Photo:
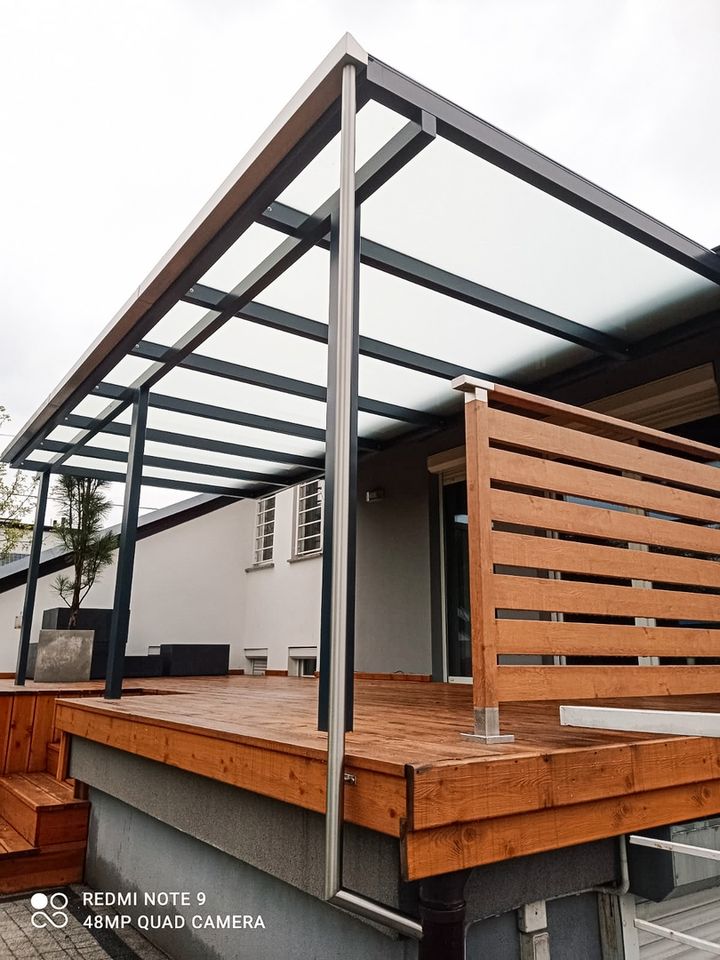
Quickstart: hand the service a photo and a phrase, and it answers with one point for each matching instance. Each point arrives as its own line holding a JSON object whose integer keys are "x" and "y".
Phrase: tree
{"x": 84, "y": 507}
{"x": 16, "y": 493}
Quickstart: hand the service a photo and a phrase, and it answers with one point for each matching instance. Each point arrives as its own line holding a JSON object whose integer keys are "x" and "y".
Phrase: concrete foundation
{"x": 155, "y": 828}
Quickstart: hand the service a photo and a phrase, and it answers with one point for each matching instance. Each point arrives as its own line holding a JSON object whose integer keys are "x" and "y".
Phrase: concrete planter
{"x": 64, "y": 656}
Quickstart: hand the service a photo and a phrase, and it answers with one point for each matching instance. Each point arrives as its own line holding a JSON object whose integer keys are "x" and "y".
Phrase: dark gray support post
{"x": 32, "y": 578}
{"x": 126, "y": 551}
{"x": 331, "y": 452}
{"x": 442, "y": 912}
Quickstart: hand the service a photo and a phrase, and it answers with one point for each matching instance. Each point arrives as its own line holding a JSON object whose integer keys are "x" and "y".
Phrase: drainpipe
{"x": 342, "y": 429}
{"x": 622, "y": 888}
{"x": 442, "y": 910}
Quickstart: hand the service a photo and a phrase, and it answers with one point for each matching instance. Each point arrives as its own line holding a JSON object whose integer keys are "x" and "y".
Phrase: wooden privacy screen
{"x": 590, "y": 539}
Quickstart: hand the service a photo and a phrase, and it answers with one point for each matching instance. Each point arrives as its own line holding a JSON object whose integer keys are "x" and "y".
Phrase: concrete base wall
{"x": 155, "y": 828}
{"x": 131, "y": 851}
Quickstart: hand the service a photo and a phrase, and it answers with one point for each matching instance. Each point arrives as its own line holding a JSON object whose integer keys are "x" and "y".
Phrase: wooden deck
{"x": 452, "y": 803}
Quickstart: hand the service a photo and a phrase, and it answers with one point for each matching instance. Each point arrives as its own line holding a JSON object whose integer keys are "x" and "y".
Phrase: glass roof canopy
{"x": 477, "y": 255}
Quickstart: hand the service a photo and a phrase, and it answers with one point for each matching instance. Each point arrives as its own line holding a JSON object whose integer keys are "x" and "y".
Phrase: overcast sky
{"x": 120, "y": 119}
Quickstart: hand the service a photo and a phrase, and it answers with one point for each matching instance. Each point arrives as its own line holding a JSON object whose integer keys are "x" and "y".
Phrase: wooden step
{"x": 52, "y": 758}
{"x": 42, "y": 809}
{"x": 38, "y": 869}
{"x": 12, "y": 844}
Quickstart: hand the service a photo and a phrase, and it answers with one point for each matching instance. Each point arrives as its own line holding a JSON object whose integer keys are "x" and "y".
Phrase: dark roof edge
{"x": 55, "y": 559}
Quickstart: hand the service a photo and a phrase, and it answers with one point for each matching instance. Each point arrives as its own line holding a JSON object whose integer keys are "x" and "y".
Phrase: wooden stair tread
{"x": 11, "y": 842}
{"x": 40, "y": 790}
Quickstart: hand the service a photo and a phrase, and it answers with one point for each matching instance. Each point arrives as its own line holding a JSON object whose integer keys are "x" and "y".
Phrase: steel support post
{"x": 32, "y": 578}
{"x": 339, "y": 562}
{"x": 126, "y": 551}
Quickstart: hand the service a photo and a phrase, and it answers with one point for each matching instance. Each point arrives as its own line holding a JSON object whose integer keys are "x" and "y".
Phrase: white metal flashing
{"x": 676, "y": 722}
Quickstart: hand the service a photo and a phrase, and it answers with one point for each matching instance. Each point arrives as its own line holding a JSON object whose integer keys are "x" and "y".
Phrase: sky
{"x": 121, "y": 119}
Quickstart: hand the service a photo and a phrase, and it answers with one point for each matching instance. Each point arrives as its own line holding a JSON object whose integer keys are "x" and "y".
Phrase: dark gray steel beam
{"x": 659, "y": 355}
{"x": 399, "y": 150}
{"x": 400, "y": 93}
{"x": 198, "y": 443}
{"x": 167, "y": 463}
{"x": 120, "y": 622}
{"x": 207, "y": 411}
{"x": 273, "y": 381}
{"x": 287, "y": 220}
{"x": 277, "y": 319}
{"x": 32, "y": 577}
{"x": 162, "y": 482}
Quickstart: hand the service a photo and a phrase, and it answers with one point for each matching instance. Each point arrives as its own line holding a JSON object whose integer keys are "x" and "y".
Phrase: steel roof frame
{"x": 249, "y": 196}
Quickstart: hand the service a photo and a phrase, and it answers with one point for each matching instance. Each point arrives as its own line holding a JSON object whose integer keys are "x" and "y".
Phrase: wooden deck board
{"x": 453, "y": 802}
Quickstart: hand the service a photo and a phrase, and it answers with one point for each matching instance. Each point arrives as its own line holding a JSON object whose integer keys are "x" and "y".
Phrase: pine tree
{"x": 84, "y": 507}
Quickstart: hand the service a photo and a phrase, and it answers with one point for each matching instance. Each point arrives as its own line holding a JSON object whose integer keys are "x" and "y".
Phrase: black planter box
{"x": 195, "y": 659}
{"x": 88, "y": 618}
{"x": 150, "y": 665}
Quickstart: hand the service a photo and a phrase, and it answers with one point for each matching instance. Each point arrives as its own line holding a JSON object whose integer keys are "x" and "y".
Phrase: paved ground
{"x": 58, "y": 932}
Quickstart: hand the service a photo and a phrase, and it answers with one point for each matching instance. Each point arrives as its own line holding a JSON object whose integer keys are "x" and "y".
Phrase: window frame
{"x": 260, "y": 531}
{"x": 298, "y": 552}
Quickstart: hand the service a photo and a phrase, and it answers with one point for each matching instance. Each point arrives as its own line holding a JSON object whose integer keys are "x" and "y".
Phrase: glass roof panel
{"x": 110, "y": 441}
{"x": 199, "y": 477}
{"x": 452, "y": 209}
{"x": 408, "y": 388}
{"x": 176, "y": 322}
{"x": 252, "y": 345}
{"x": 212, "y": 458}
{"x": 321, "y": 177}
{"x": 90, "y": 406}
{"x": 303, "y": 288}
{"x": 242, "y": 397}
{"x": 250, "y": 249}
{"x": 250, "y": 436}
{"x": 410, "y": 316}
{"x": 128, "y": 370}
{"x": 42, "y": 456}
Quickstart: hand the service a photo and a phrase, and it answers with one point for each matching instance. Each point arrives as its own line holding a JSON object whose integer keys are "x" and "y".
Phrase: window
{"x": 264, "y": 531}
{"x": 302, "y": 661}
{"x": 307, "y": 667}
{"x": 258, "y": 666}
{"x": 308, "y": 518}
{"x": 256, "y": 661}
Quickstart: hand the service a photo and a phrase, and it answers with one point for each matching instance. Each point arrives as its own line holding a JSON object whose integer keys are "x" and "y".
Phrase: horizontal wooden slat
{"x": 461, "y": 791}
{"x": 563, "y": 596}
{"x": 546, "y": 553}
{"x": 601, "y": 451}
{"x": 588, "y": 683}
{"x": 603, "y": 421}
{"x": 541, "y": 512}
{"x": 461, "y": 845}
{"x": 564, "y": 478}
{"x": 603, "y": 639}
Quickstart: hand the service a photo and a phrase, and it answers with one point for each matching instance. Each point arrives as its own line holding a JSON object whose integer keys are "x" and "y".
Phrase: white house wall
{"x": 192, "y": 582}
{"x": 188, "y": 587}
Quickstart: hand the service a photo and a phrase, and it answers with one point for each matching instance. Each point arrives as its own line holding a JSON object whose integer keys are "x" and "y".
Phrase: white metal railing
{"x": 667, "y": 933}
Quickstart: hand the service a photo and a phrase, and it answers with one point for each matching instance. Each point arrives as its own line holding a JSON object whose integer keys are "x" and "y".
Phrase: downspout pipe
{"x": 343, "y": 430}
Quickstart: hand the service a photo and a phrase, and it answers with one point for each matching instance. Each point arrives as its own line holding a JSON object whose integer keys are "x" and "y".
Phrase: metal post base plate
{"x": 489, "y": 738}
{"x": 487, "y": 727}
